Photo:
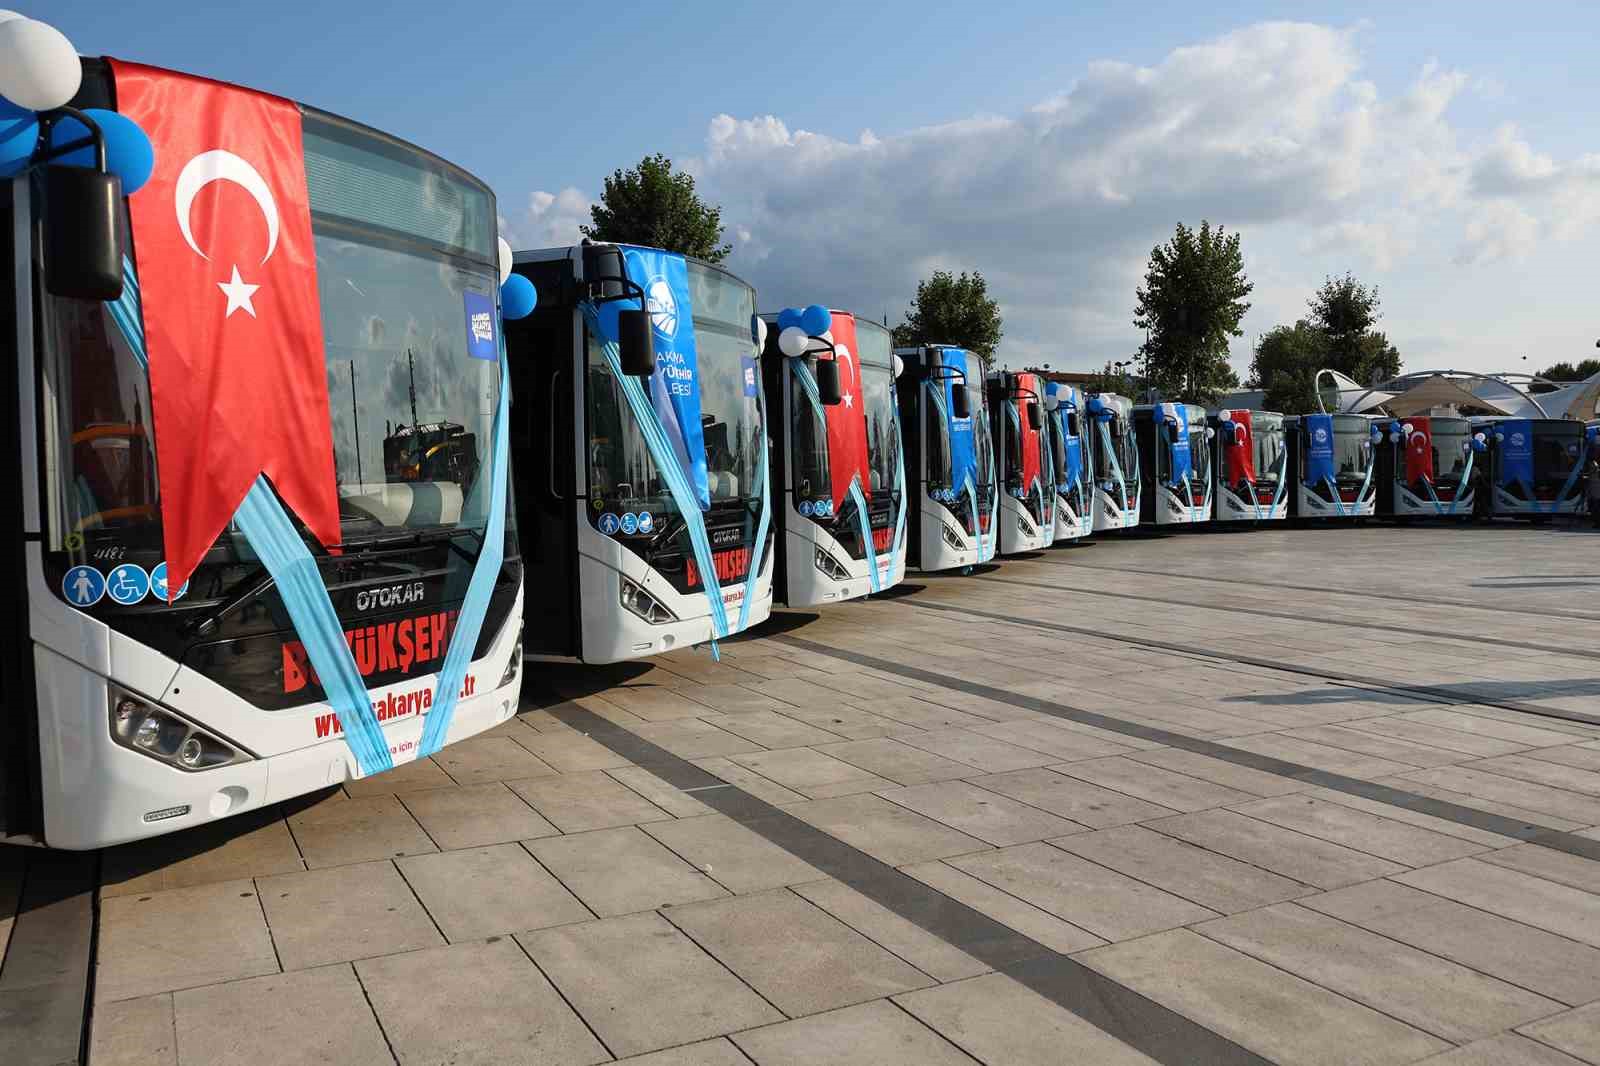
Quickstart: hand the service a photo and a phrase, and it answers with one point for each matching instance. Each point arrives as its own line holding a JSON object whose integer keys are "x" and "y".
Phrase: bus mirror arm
{"x": 960, "y": 399}
{"x": 635, "y": 332}
{"x": 82, "y": 243}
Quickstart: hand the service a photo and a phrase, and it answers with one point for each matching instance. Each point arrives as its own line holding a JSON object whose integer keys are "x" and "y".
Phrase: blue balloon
{"x": 518, "y": 297}
{"x": 816, "y": 320}
{"x": 129, "y": 153}
{"x": 789, "y": 316}
{"x": 19, "y": 132}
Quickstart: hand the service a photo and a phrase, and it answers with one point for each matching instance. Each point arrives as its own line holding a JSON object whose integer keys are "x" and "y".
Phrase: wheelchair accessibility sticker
{"x": 127, "y": 584}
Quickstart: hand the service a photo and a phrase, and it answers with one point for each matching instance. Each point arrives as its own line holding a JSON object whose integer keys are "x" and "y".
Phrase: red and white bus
{"x": 1027, "y": 519}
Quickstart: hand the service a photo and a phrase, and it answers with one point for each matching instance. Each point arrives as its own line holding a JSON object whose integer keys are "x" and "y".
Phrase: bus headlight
{"x": 515, "y": 664}
{"x": 953, "y": 539}
{"x": 636, "y": 601}
{"x": 144, "y": 726}
{"x": 830, "y": 566}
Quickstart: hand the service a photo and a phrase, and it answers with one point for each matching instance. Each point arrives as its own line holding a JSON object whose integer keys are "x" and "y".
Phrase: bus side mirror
{"x": 828, "y": 390}
{"x": 960, "y": 402}
{"x": 1035, "y": 419}
{"x": 82, "y": 245}
{"x": 636, "y": 339}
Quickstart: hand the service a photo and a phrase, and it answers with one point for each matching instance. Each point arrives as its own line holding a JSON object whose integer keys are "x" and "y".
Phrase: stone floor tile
{"x": 357, "y": 830}
{"x": 1282, "y": 851}
{"x": 735, "y": 699}
{"x": 1541, "y": 962}
{"x": 927, "y": 952}
{"x": 797, "y": 956}
{"x": 576, "y": 803}
{"x": 134, "y": 1032}
{"x": 161, "y": 941}
{"x": 1374, "y": 834}
{"x": 1433, "y": 994}
{"x": 1435, "y": 736}
{"x": 1540, "y": 819}
{"x": 619, "y": 871}
{"x": 655, "y": 704}
{"x": 732, "y": 855}
{"x": 485, "y": 1003}
{"x": 847, "y": 721}
{"x": 1573, "y": 806}
{"x": 253, "y": 844}
{"x": 708, "y": 1053}
{"x": 1106, "y": 903}
{"x": 1522, "y": 897}
{"x": 468, "y": 816}
{"x": 642, "y": 985}
{"x": 479, "y": 892}
{"x": 412, "y": 776}
{"x": 1482, "y": 725}
{"x": 1050, "y": 739}
{"x": 872, "y": 1034}
{"x": 1178, "y": 792}
{"x": 673, "y": 800}
{"x": 900, "y": 763}
{"x": 570, "y": 751}
{"x": 343, "y": 913}
{"x": 1070, "y": 797}
{"x": 482, "y": 759}
{"x": 1507, "y": 1049}
{"x": 1318, "y": 756}
{"x": 1572, "y": 870}
{"x": 1417, "y": 818}
{"x": 987, "y": 754}
{"x": 1390, "y": 748}
{"x": 912, "y": 712}
{"x": 771, "y": 729}
{"x": 980, "y": 813}
{"x": 1241, "y": 778}
{"x": 317, "y": 1015}
{"x": 996, "y": 1020}
{"x": 691, "y": 738}
{"x": 1176, "y": 866}
{"x": 1577, "y": 1032}
{"x": 811, "y": 773}
{"x": 1280, "y": 1016}
{"x": 884, "y": 830}
{"x": 1582, "y": 756}
{"x": 747, "y": 779}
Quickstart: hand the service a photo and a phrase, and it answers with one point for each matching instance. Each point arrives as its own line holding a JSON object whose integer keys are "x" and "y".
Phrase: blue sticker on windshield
{"x": 630, "y": 524}
{"x": 608, "y": 524}
{"x": 747, "y": 366}
{"x": 128, "y": 584}
{"x": 480, "y": 326}
{"x": 158, "y": 584}
{"x": 83, "y": 586}
{"x": 647, "y": 522}
{"x": 805, "y": 508}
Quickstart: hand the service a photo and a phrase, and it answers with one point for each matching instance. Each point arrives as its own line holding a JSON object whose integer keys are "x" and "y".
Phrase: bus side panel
{"x": 909, "y": 393}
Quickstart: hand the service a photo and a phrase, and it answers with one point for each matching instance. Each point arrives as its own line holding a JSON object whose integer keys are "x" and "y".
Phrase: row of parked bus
{"x": 592, "y": 453}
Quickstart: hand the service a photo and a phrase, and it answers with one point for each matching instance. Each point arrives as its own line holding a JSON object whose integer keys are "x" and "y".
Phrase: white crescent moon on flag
{"x": 843, "y": 352}
{"x": 220, "y": 165}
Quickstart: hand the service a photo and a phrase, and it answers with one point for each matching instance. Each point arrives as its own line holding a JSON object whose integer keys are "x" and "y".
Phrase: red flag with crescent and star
{"x": 233, "y": 326}
{"x": 847, "y": 420}
{"x": 1419, "y": 451}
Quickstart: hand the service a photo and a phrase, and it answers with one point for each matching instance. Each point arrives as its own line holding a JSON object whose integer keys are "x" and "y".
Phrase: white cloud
{"x": 550, "y": 220}
{"x": 1268, "y": 130}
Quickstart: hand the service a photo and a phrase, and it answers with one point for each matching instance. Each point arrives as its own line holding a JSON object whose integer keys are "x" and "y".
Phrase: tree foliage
{"x": 1338, "y": 334}
{"x": 953, "y": 310}
{"x": 652, "y": 205}
{"x": 1191, "y": 303}
{"x": 1579, "y": 371}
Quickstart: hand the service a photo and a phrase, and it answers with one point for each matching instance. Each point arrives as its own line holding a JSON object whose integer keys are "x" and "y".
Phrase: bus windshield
{"x": 878, "y": 400}
{"x": 1269, "y": 446}
{"x": 399, "y": 237}
{"x": 1556, "y": 448}
{"x": 1351, "y": 447}
{"x": 1450, "y": 437}
{"x": 620, "y": 467}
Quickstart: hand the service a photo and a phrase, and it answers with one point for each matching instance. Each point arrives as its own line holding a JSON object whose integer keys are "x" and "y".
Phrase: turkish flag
{"x": 1240, "y": 452}
{"x": 1029, "y": 386}
{"x": 228, "y": 282}
{"x": 1419, "y": 451}
{"x": 847, "y": 420}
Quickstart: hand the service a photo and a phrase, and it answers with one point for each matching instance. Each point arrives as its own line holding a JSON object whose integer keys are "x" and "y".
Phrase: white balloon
{"x": 1051, "y": 401}
{"x": 505, "y": 260}
{"x": 7, "y": 16}
{"x": 899, "y": 366}
{"x": 1408, "y": 428}
{"x": 761, "y": 334}
{"x": 793, "y": 341}
{"x": 38, "y": 66}
{"x": 826, "y": 335}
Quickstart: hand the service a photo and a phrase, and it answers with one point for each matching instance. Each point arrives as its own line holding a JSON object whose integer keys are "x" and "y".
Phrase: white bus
{"x": 129, "y": 712}
{"x": 1117, "y": 492}
{"x": 1027, "y": 500}
{"x": 1071, "y": 449}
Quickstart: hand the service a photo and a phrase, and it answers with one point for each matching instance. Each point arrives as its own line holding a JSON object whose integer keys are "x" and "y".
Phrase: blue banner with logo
{"x": 963, "y": 448}
{"x": 1178, "y": 447}
{"x": 1320, "y": 466}
{"x": 1516, "y": 452}
{"x": 675, "y": 386}
{"x": 1071, "y": 444}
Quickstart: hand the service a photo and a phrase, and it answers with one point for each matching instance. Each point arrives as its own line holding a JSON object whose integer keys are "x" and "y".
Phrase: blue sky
{"x": 1445, "y": 151}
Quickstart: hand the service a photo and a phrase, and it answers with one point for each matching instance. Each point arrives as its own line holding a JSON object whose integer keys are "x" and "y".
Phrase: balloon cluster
{"x": 797, "y": 326}
{"x": 39, "y": 71}
{"x": 518, "y": 297}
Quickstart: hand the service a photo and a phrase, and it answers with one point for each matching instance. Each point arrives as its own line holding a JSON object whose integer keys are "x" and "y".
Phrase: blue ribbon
{"x": 1103, "y": 425}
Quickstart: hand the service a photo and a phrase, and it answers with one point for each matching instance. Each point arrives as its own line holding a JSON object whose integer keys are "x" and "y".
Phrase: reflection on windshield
{"x": 1449, "y": 450}
{"x": 1351, "y": 447}
{"x": 1556, "y": 451}
{"x": 875, "y": 350}
{"x": 1269, "y": 448}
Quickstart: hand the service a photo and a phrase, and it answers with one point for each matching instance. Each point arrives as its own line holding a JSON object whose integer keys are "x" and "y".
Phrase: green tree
{"x": 1285, "y": 365}
{"x": 654, "y": 206}
{"x": 1564, "y": 371}
{"x": 1190, "y": 305}
{"x": 953, "y": 310}
{"x": 1346, "y": 312}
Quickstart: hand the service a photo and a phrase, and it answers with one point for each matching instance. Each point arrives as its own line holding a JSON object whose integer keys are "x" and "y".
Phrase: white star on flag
{"x": 849, "y": 400}
{"x": 238, "y": 294}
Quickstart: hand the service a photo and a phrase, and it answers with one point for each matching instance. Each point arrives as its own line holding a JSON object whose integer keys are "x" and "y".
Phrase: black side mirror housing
{"x": 1035, "y": 419}
{"x": 961, "y": 401}
{"x": 82, "y": 244}
{"x": 828, "y": 389}
{"x": 636, "y": 339}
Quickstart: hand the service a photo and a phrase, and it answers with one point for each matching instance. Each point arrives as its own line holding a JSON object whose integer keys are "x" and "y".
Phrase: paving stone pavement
{"x": 1272, "y": 796}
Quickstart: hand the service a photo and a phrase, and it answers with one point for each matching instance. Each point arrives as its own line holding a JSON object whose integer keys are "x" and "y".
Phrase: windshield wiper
{"x": 251, "y": 587}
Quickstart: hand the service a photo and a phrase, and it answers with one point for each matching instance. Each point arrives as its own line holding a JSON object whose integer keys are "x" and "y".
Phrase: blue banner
{"x": 1071, "y": 445}
{"x": 1515, "y": 439}
{"x": 963, "y": 448}
{"x": 1319, "y": 465}
{"x": 1178, "y": 449}
{"x": 675, "y": 386}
